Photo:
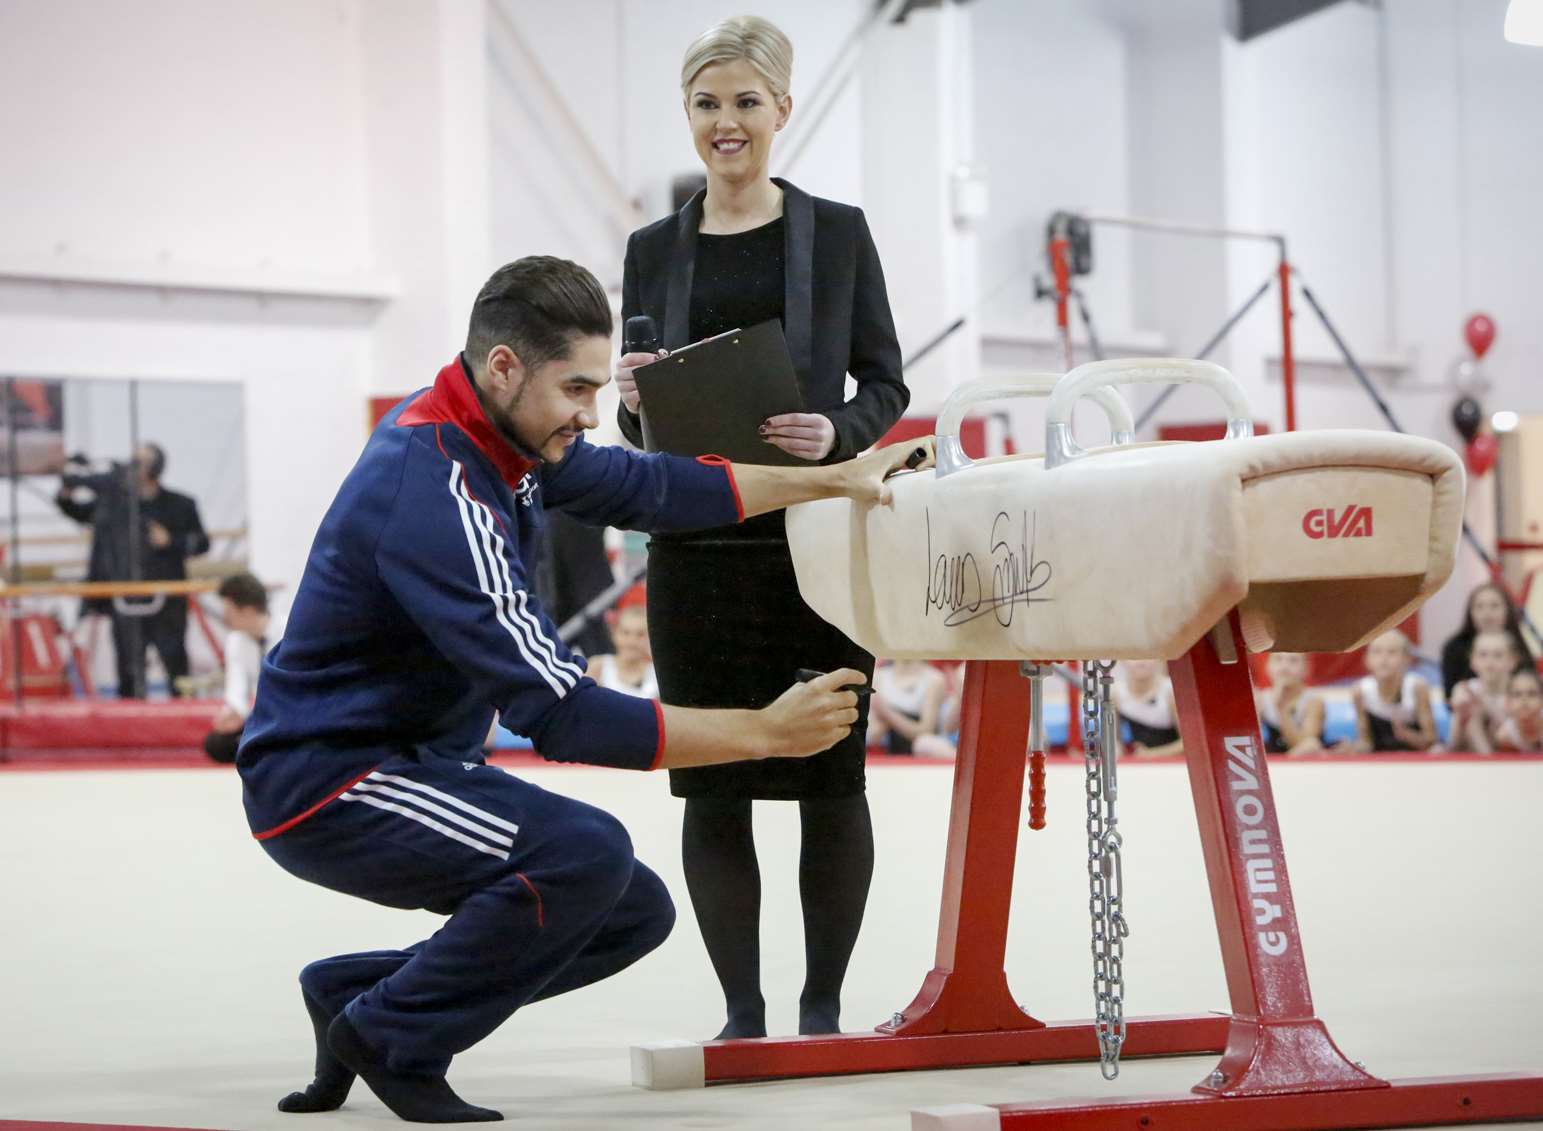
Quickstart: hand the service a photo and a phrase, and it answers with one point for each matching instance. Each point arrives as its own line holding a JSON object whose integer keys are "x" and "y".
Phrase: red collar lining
{"x": 453, "y": 400}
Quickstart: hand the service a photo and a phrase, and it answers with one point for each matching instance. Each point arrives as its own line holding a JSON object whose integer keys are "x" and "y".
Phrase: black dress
{"x": 726, "y": 622}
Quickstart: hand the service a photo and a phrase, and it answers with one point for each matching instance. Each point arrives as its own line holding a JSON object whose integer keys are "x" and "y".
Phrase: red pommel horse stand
{"x": 1281, "y": 1070}
{"x": 964, "y": 1015}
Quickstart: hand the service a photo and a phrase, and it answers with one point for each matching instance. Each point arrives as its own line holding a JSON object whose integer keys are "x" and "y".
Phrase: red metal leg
{"x": 967, "y": 988}
{"x": 1280, "y": 1069}
{"x": 965, "y": 1014}
{"x": 1288, "y": 364}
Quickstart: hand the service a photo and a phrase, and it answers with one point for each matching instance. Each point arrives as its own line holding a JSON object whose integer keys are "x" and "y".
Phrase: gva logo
{"x": 1350, "y": 522}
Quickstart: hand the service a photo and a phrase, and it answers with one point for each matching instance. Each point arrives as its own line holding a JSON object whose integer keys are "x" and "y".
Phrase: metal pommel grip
{"x": 1036, "y": 789}
{"x": 1034, "y": 671}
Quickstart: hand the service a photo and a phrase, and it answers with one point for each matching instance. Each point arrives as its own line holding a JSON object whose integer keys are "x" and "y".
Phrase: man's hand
{"x": 763, "y": 489}
{"x": 864, "y": 476}
{"x": 807, "y": 435}
{"x": 626, "y": 384}
{"x": 810, "y": 717}
{"x": 157, "y": 535}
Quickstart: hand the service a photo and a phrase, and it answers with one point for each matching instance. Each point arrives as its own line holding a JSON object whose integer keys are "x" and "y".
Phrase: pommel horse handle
{"x": 951, "y": 457}
{"x": 1034, "y": 672}
{"x": 1097, "y": 377}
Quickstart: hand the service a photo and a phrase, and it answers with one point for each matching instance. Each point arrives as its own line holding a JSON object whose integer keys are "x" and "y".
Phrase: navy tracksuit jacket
{"x": 361, "y": 761}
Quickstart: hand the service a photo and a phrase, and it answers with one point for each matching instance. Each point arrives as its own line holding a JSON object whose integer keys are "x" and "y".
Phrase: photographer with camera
{"x": 166, "y": 532}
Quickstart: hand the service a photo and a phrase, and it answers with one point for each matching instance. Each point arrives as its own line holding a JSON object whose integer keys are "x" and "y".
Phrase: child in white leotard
{"x": 1479, "y": 704}
{"x": 1290, "y": 716}
{"x": 904, "y": 715}
{"x": 1143, "y": 699}
{"x": 631, "y": 668}
{"x": 1392, "y": 704}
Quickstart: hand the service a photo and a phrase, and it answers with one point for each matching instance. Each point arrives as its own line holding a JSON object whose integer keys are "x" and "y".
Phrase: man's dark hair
{"x": 536, "y": 306}
{"x": 157, "y": 466}
{"x": 245, "y": 591}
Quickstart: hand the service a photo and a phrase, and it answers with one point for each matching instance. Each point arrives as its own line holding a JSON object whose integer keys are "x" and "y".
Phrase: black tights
{"x": 723, "y": 876}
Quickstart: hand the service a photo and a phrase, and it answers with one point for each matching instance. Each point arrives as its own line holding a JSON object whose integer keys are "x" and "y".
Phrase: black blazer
{"x": 836, "y": 314}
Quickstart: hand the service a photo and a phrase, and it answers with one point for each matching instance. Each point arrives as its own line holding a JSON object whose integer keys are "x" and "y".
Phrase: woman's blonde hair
{"x": 758, "y": 41}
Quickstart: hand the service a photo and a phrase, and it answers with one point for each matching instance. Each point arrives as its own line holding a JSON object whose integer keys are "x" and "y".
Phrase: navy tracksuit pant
{"x": 543, "y": 894}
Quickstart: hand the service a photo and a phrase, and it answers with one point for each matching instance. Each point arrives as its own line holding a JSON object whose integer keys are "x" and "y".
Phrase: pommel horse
{"x": 1196, "y": 554}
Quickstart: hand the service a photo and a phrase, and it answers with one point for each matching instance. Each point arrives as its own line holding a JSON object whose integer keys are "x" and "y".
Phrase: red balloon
{"x": 1480, "y": 332}
{"x": 1482, "y": 450}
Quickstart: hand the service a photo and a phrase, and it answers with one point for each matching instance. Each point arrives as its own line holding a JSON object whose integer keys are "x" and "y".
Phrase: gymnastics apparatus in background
{"x": 1024, "y": 559}
{"x": 1069, "y": 254}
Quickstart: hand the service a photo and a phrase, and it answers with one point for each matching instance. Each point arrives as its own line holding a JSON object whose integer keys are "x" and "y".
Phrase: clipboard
{"x": 711, "y": 397}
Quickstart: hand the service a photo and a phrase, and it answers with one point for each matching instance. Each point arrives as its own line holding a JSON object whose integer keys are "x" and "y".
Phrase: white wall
{"x": 193, "y": 141}
{"x": 616, "y": 66}
{"x": 1177, "y": 170}
{"x": 290, "y": 197}
{"x": 203, "y": 133}
{"x": 1052, "y": 133}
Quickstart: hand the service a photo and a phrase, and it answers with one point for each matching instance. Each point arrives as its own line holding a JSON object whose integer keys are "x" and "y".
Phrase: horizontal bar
{"x": 1178, "y": 227}
{"x": 108, "y": 589}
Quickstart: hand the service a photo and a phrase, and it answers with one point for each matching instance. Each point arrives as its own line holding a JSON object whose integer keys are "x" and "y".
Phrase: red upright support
{"x": 965, "y": 1014}
{"x": 1281, "y": 1069}
{"x": 1288, "y": 360}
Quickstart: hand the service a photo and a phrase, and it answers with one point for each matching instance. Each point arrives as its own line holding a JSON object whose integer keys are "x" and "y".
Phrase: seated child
{"x": 1479, "y": 704}
{"x": 904, "y": 713}
{"x": 1143, "y": 700}
{"x": 1393, "y": 710}
{"x": 1290, "y": 715}
{"x": 1521, "y": 731}
{"x": 245, "y": 604}
{"x": 631, "y": 668}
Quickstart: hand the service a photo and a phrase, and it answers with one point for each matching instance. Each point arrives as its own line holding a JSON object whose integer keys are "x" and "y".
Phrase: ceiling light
{"x": 1524, "y": 22}
{"x": 1504, "y": 421}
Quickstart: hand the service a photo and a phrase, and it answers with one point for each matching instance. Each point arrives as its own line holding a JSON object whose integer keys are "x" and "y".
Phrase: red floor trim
{"x": 50, "y": 1125}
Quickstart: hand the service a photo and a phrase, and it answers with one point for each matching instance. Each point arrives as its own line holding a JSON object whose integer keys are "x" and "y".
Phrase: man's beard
{"x": 504, "y": 424}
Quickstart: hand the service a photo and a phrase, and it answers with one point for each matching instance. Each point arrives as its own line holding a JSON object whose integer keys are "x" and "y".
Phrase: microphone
{"x": 640, "y": 335}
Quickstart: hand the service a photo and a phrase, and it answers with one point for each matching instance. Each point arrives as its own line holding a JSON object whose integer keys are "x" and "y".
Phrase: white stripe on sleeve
{"x": 457, "y": 490}
{"x": 514, "y": 599}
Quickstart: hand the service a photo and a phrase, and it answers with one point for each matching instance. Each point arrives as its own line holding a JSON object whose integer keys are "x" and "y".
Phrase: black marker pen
{"x": 859, "y": 689}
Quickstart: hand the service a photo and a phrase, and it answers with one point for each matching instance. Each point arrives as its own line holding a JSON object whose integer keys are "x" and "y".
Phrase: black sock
{"x": 417, "y": 1099}
{"x": 333, "y": 1078}
{"x": 835, "y": 866}
{"x": 724, "y": 879}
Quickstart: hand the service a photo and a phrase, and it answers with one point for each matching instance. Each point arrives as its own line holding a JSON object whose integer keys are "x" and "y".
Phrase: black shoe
{"x": 417, "y": 1099}
{"x": 333, "y": 1078}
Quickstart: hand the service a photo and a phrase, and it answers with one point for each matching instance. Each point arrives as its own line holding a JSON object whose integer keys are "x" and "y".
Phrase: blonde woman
{"x": 725, "y": 617}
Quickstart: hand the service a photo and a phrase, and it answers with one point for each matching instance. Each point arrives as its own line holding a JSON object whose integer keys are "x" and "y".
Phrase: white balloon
{"x": 1467, "y": 375}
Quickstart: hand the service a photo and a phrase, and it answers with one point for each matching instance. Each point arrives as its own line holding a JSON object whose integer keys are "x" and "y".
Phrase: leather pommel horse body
{"x": 1193, "y": 553}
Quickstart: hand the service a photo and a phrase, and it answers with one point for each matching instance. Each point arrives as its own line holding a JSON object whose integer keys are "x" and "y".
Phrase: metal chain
{"x": 1105, "y": 880}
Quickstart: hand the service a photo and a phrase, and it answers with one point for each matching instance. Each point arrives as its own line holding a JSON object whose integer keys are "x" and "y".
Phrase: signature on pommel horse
{"x": 1030, "y": 557}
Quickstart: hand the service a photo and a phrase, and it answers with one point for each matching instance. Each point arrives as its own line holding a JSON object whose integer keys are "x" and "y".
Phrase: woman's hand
{"x": 807, "y": 435}
{"x": 626, "y": 384}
